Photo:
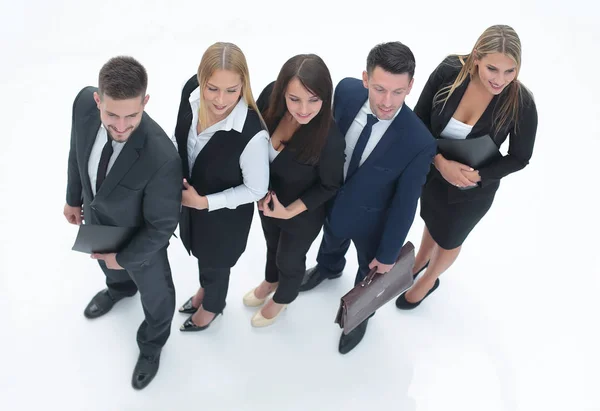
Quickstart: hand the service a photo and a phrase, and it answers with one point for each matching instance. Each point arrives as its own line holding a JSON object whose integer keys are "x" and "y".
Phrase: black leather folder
{"x": 473, "y": 152}
{"x": 101, "y": 239}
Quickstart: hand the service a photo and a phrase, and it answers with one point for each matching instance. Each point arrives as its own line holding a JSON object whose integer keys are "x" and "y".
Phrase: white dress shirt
{"x": 254, "y": 160}
{"x": 356, "y": 128}
{"x": 101, "y": 137}
{"x": 456, "y": 130}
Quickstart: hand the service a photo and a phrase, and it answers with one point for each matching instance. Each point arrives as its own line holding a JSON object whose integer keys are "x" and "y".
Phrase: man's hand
{"x": 109, "y": 259}
{"x": 381, "y": 268}
{"x": 74, "y": 215}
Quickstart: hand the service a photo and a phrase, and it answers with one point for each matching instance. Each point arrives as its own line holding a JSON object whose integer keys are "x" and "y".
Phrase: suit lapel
{"x": 482, "y": 122}
{"x": 346, "y": 111}
{"x": 394, "y": 132}
{"x": 90, "y": 126}
{"x": 128, "y": 156}
{"x": 451, "y": 106}
{"x": 283, "y": 160}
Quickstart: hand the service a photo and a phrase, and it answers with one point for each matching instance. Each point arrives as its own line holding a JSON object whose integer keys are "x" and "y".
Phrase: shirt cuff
{"x": 216, "y": 201}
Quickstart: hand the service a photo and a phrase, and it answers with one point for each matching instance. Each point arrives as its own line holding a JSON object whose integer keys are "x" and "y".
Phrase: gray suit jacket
{"x": 142, "y": 189}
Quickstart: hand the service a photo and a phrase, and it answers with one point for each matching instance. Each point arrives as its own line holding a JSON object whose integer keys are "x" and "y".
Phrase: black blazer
{"x": 520, "y": 144}
{"x": 314, "y": 184}
{"x": 143, "y": 188}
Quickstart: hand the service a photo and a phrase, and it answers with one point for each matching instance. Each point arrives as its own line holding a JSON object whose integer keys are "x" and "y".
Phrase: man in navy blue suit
{"x": 388, "y": 154}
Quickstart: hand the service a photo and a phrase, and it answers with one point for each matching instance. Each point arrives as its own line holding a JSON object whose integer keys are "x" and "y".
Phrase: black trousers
{"x": 286, "y": 255}
{"x": 215, "y": 282}
{"x": 157, "y": 293}
{"x": 332, "y": 253}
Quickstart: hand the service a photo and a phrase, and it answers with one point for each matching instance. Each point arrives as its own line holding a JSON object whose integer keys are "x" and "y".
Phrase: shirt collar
{"x": 367, "y": 110}
{"x": 235, "y": 120}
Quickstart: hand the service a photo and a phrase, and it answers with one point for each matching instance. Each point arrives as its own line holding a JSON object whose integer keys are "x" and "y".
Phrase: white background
{"x": 513, "y": 326}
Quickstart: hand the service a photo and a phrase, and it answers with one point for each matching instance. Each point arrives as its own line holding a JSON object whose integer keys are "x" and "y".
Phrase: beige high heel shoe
{"x": 259, "y": 321}
{"x": 251, "y": 300}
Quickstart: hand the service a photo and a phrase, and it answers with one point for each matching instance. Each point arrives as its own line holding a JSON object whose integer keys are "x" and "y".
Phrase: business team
{"x": 353, "y": 161}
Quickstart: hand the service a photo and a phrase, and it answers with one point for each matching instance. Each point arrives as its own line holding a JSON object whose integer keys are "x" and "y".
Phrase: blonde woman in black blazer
{"x": 467, "y": 97}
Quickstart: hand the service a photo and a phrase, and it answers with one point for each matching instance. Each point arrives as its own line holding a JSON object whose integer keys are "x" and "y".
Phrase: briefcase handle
{"x": 370, "y": 277}
{"x": 406, "y": 249}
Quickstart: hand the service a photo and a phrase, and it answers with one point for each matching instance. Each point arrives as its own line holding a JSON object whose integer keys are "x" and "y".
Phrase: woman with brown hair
{"x": 306, "y": 153}
{"x": 469, "y": 97}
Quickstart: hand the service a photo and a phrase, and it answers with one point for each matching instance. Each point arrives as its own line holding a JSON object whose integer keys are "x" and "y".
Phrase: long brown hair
{"x": 224, "y": 56}
{"x": 314, "y": 75}
{"x": 495, "y": 39}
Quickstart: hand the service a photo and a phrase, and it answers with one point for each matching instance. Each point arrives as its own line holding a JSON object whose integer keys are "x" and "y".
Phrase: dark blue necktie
{"x": 359, "y": 149}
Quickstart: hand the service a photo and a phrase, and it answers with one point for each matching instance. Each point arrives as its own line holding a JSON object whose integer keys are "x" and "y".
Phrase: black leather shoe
{"x": 187, "y": 307}
{"x": 145, "y": 370}
{"x": 348, "y": 342}
{"x": 415, "y": 275}
{"x": 101, "y": 304}
{"x": 315, "y": 276}
{"x": 189, "y": 325}
{"x": 403, "y": 304}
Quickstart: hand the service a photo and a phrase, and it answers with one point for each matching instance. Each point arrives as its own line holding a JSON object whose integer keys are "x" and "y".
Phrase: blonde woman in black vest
{"x": 223, "y": 145}
{"x": 469, "y": 96}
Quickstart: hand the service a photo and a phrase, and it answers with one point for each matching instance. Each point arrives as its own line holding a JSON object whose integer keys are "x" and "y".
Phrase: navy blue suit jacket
{"x": 378, "y": 203}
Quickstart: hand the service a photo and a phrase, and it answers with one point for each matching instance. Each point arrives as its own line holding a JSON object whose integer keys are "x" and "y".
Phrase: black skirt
{"x": 450, "y": 213}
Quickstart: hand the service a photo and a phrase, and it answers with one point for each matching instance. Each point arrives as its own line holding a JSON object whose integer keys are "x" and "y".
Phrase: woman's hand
{"x": 190, "y": 197}
{"x": 457, "y": 174}
{"x": 278, "y": 211}
{"x": 263, "y": 202}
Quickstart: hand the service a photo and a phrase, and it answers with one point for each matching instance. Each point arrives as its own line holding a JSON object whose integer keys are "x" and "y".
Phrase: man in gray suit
{"x": 125, "y": 171}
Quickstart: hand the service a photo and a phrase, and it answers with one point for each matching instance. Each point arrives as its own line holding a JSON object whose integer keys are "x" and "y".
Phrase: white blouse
{"x": 456, "y": 130}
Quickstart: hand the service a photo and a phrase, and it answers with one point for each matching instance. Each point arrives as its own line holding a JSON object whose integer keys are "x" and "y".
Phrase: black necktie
{"x": 107, "y": 152}
{"x": 359, "y": 149}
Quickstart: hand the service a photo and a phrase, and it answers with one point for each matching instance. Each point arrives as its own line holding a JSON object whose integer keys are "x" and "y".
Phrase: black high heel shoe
{"x": 403, "y": 304}
{"x": 187, "y": 307}
{"x": 189, "y": 325}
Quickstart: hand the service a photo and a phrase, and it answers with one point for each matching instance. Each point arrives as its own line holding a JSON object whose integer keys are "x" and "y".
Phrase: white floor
{"x": 513, "y": 326}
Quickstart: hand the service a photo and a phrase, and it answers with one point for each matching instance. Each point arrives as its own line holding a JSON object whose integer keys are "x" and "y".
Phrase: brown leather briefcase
{"x": 376, "y": 290}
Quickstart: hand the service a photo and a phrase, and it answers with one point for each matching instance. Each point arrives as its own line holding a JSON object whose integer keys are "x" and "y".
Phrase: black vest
{"x": 217, "y": 238}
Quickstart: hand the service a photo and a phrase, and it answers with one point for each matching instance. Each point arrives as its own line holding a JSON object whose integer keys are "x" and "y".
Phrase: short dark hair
{"x": 122, "y": 78}
{"x": 312, "y": 72}
{"x": 394, "y": 57}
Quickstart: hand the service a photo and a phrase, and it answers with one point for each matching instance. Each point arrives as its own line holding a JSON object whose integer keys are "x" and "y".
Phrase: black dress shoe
{"x": 187, "y": 307}
{"x": 403, "y": 304}
{"x": 145, "y": 370}
{"x": 415, "y": 275}
{"x": 102, "y": 303}
{"x": 189, "y": 325}
{"x": 315, "y": 276}
{"x": 348, "y": 342}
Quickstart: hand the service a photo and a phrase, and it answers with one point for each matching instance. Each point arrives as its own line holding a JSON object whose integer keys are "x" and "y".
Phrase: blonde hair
{"x": 495, "y": 39}
{"x": 224, "y": 56}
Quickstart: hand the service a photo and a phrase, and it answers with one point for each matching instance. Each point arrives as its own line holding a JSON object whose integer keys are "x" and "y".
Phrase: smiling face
{"x": 120, "y": 117}
{"x": 496, "y": 71}
{"x": 302, "y": 104}
{"x": 222, "y": 92}
{"x": 387, "y": 91}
